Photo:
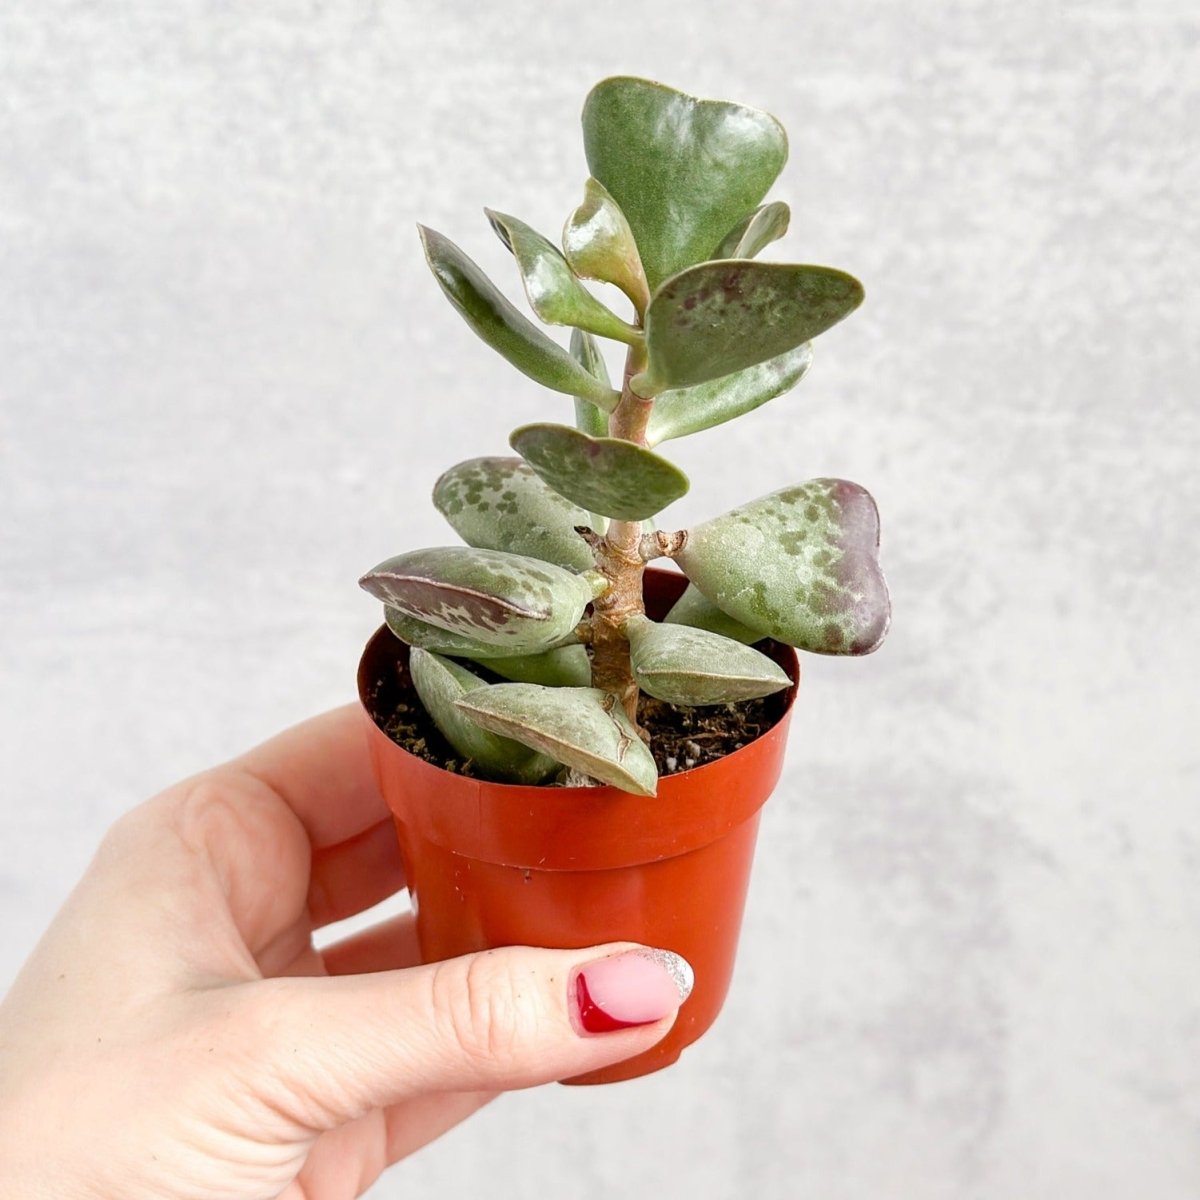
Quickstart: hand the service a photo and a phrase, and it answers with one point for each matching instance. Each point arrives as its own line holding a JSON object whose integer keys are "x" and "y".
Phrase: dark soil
{"x": 680, "y": 738}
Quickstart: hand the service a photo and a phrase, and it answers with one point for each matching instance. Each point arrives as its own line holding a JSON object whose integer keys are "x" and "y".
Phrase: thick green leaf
{"x": 695, "y": 609}
{"x": 600, "y": 245}
{"x": 413, "y": 632}
{"x": 553, "y": 291}
{"x": 500, "y": 504}
{"x": 693, "y": 667}
{"x": 568, "y": 666}
{"x": 441, "y": 683}
{"x": 498, "y": 323}
{"x": 509, "y": 601}
{"x": 762, "y": 227}
{"x": 607, "y": 475}
{"x": 582, "y": 727}
{"x": 688, "y": 410}
{"x": 588, "y": 417}
{"x": 721, "y": 317}
{"x": 684, "y": 171}
{"x": 800, "y": 565}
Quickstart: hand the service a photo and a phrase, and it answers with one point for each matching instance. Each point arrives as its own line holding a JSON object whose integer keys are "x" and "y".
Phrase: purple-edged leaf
{"x": 582, "y": 727}
{"x": 440, "y": 641}
{"x": 725, "y": 316}
{"x": 553, "y": 291}
{"x": 800, "y": 565}
{"x": 694, "y": 667}
{"x": 509, "y": 601}
{"x": 441, "y": 683}
{"x": 483, "y": 307}
{"x": 500, "y": 504}
{"x": 688, "y": 410}
{"x": 696, "y": 610}
{"x": 762, "y": 227}
{"x": 606, "y": 475}
{"x": 599, "y": 244}
{"x": 684, "y": 171}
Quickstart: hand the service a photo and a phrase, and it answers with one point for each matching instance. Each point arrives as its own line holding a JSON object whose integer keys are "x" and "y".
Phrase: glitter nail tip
{"x": 637, "y": 987}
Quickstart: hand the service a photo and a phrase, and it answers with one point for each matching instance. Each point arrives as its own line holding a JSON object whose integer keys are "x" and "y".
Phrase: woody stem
{"x": 619, "y": 556}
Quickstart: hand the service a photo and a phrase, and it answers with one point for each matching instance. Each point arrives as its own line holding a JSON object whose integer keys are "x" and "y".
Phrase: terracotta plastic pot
{"x": 492, "y": 864}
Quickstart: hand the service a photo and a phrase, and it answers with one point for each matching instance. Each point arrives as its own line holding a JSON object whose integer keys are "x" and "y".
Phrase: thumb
{"x": 497, "y": 1020}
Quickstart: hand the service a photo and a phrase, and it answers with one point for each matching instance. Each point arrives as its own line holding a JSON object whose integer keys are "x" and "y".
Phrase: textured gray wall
{"x": 971, "y": 964}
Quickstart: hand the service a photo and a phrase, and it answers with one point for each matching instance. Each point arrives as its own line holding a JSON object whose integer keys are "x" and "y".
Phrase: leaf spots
{"x": 791, "y": 541}
{"x": 833, "y": 637}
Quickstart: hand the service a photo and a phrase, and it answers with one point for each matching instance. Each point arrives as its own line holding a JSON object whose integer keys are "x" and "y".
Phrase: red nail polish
{"x": 637, "y": 987}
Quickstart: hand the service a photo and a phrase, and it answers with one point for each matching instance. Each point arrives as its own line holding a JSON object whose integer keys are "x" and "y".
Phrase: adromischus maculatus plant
{"x": 556, "y": 538}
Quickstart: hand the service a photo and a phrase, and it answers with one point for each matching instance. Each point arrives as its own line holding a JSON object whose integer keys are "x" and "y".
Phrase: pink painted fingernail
{"x": 636, "y": 987}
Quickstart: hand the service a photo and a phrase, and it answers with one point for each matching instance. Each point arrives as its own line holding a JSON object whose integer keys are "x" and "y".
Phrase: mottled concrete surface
{"x": 971, "y": 964}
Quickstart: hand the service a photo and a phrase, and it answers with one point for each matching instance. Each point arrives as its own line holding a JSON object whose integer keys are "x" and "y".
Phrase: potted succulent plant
{"x": 576, "y": 747}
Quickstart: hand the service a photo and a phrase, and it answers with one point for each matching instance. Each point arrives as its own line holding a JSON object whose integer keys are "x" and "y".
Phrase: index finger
{"x": 322, "y": 770}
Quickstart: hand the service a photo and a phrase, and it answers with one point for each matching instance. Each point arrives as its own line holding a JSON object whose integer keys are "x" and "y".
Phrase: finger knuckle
{"x": 485, "y": 1010}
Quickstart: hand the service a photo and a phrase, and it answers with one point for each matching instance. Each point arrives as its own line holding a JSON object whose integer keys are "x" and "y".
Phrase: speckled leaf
{"x": 553, "y": 291}
{"x": 692, "y": 666}
{"x": 688, "y": 410}
{"x": 600, "y": 245}
{"x": 441, "y": 683}
{"x": 568, "y": 666}
{"x": 498, "y": 323}
{"x": 607, "y": 475}
{"x": 695, "y": 609}
{"x": 582, "y": 727}
{"x": 500, "y": 504}
{"x": 429, "y": 637}
{"x": 762, "y": 227}
{"x": 721, "y": 317}
{"x": 800, "y": 565}
{"x": 510, "y": 601}
{"x": 684, "y": 171}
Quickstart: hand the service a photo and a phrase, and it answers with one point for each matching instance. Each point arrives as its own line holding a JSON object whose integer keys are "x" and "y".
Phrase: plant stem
{"x": 619, "y": 556}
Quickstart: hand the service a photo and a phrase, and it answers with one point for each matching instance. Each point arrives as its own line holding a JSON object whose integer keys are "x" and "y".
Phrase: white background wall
{"x": 971, "y": 964}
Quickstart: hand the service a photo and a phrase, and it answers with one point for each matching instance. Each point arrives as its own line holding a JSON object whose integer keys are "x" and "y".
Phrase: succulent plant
{"x": 547, "y": 592}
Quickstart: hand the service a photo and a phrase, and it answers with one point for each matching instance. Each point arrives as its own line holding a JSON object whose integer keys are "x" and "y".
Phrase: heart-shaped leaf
{"x": 441, "y": 683}
{"x": 584, "y": 728}
{"x": 762, "y": 227}
{"x": 721, "y": 317}
{"x": 688, "y": 410}
{"x": 607, "y": 475}
{"x": 600, "y": 245}
{"x": 800, "y": 565}
{"x": 684, "y": 171}
{"x": 693, "y": 667}
{"x": 500, "y": 504}
{"x": 696, "y": 610}
{"x": 497, "y": 322}
{"x": 553, "y": 291}
{"x": 567, "y": 666}
{"x": 413, "y": 632}
{"x": 509, "y": 601}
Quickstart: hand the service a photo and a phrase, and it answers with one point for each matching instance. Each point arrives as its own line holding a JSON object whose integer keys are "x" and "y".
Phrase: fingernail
{"x": 636, "y": 987}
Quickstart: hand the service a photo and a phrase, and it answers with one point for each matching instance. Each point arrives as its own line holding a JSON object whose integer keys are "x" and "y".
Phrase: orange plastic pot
{"x": 493, "y": 864}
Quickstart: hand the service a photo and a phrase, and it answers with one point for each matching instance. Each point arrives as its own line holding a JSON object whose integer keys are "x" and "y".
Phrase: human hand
{"x": 176, "y": 1034}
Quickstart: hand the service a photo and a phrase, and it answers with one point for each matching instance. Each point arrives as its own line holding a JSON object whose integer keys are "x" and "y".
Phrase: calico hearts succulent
{"x": 547, "y": 592}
